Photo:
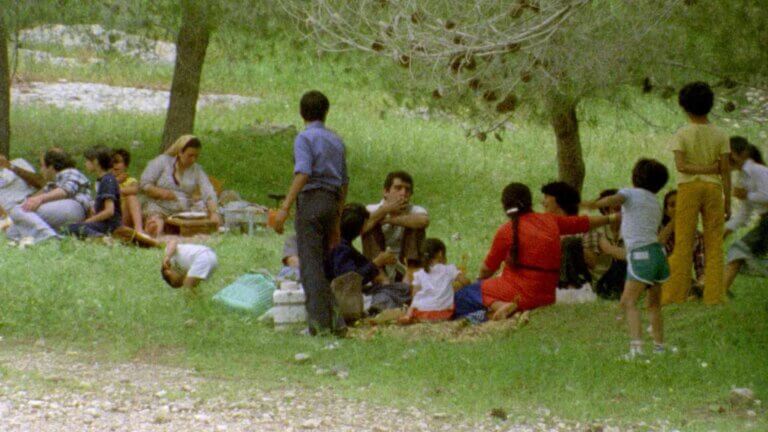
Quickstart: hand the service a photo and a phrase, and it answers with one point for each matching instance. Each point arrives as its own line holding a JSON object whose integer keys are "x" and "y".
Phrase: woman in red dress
{"x": 529, "y": 246}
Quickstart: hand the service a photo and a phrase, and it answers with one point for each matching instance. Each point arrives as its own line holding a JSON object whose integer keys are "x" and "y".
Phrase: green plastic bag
{"x": 251, "y": 292}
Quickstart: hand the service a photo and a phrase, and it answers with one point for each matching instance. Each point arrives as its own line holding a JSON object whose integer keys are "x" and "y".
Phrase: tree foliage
{"x": 546, "y": 54}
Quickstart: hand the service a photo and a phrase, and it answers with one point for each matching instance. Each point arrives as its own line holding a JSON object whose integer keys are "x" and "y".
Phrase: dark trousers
{"x": 374, "y": 243}
{"x": 316, "y": 218}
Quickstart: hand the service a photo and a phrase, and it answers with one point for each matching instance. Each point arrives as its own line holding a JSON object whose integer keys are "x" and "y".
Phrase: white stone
{"x": 311, "y": 424}
{"x": 92, "y": 97}
{"x": 302, "y": 357}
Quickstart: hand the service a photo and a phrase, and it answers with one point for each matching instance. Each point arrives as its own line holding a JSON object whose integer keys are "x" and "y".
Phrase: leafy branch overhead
{"x": 492, "y": 48}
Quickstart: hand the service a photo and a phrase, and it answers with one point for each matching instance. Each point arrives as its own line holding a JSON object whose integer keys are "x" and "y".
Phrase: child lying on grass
{"x": 186, "y": 265}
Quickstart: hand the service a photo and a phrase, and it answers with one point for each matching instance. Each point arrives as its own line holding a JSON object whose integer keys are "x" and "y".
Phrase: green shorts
{"x": 648, "y": 264}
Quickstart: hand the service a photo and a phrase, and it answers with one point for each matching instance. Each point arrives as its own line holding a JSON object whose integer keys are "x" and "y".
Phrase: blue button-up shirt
{"x": 320, "y": 154}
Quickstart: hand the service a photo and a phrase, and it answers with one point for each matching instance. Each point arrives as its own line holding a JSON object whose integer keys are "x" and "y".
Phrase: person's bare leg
{"x": 731, "y": 271}
{"x": 502, "y": 310}
{"x": 407, "y": 318}
{"x": 632, "y": 291}
{"x": 155, "y": 225}
{"x": 654, "y": 312}
{"x": 132, "y": 209}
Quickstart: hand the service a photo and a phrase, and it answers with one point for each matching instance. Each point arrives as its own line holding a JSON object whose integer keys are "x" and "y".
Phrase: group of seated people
{"x": 59, "y": 199}
{"x": 401, "y": 267}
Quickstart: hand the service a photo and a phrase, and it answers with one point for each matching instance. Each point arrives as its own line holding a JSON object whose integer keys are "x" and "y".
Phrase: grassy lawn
{"x": 112, "y": 301}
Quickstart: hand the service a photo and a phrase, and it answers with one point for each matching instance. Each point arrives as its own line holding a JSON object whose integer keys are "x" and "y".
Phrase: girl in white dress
{"x": 434, "y": 286}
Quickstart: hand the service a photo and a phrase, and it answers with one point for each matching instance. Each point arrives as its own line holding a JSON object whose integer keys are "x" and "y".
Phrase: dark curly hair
{"x": 650, "y": 174}
{"x": 566, "y": 196}
{"x": 58, "y": 159}
{"x": 696, "y": 98}
{"x": 314, "y": 106}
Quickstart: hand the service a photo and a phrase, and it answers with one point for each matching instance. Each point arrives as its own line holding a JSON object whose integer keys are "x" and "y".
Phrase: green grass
{"x": 112, "y": 302}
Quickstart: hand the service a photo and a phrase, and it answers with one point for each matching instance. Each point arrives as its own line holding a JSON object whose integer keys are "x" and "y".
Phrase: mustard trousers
{"x": 693, "y": 198}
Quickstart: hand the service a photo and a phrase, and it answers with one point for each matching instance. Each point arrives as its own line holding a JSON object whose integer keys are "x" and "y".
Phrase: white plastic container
{"x": 289, "y": 305}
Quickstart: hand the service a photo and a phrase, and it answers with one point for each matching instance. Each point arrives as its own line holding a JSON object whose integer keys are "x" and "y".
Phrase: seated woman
{"x": 174, "y": 182}
{"x": 529, "y": 245}
{"x": 67, "y": 198}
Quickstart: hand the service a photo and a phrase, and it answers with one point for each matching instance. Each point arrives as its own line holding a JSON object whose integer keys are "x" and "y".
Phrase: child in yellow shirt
{"x": 703, "y": 180}
{"x": 129, "y": 189}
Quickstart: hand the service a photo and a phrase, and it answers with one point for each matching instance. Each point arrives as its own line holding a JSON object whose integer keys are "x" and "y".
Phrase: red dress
{"x": 532, "y": 283}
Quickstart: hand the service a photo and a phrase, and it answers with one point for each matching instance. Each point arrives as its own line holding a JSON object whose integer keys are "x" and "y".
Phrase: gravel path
{"x": 45, "y": 391}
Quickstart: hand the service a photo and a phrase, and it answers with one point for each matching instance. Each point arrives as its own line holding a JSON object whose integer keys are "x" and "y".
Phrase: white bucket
{"x": 289, "y": 308}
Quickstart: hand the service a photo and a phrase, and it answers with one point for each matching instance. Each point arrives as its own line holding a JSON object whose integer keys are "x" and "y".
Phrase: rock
{"x": 301, "y": 357}
{"x": 311, "y": 424}
{"x": 93, "y": 412}
{"x": 742, "y": 395}
{"x": 202, "y": 418}
{"x": 161, "y": 394}
{"x": 36, "y": 404}
{"x": 440, "y": 415}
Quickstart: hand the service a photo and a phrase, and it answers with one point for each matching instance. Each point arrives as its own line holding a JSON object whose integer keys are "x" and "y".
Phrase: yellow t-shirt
{"x": 130, "y": 181}
{"x": 701, "y": 144}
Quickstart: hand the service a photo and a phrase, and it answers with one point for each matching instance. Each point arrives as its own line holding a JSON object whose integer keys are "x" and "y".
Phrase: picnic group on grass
{"x": 633, "y": 247}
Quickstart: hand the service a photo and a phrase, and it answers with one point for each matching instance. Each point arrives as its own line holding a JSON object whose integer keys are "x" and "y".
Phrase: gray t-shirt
{"x": 640, "y": 218}
{"x": 14, "y": 190}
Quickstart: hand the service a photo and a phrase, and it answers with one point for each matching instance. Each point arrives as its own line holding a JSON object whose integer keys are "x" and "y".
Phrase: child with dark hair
{"x": 751, "y": 251}
{"x": 529, "y": 245}
{"x": 106, "y": 212}
{"x": 434, "y": 285}
{"x": 130, "y": 207}
{"x": 319, "y": 188}
{"x": 667, "y": 238}
{"x": 186, "y": 265}
{"x": 704, "y": 187}
{"x": 647, "y": 264}
{"x": 345, "y": 258}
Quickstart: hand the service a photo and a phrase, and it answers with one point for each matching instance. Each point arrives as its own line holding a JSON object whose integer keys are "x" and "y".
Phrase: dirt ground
{"x": 42, "y": 390}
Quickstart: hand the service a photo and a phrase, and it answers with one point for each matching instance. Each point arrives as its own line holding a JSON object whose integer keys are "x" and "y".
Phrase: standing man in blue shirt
{"x": 319, "y": 188}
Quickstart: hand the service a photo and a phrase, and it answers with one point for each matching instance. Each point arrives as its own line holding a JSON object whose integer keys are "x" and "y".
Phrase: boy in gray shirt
{"x": 646, "y": 262}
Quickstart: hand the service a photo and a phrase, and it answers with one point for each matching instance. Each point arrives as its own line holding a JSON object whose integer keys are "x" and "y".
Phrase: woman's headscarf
{"x": 179, "y": 145}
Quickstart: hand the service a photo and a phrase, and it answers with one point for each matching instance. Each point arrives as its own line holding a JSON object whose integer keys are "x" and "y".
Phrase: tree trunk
{"x": 5, "y": 91}
{"x": 190, "y": 56}
{"x": 570, "y": 162}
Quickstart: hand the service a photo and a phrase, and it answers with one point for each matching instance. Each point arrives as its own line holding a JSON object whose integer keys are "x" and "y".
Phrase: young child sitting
{"x": 345, "y": 258}
{"x": 751, "y": 251}
{"x": 290, "y": 270}
{"x": 129, "y": 190}
{"x": 186, "y": 265}
{"x": 647, "y": 265}
{"x": 434, "y": 286}
{"x": 106, "y": 212}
